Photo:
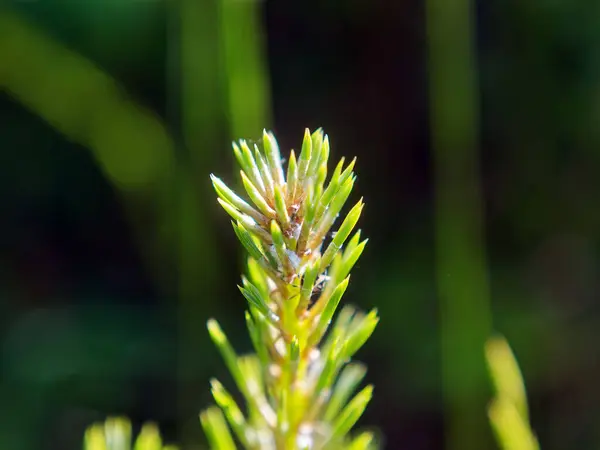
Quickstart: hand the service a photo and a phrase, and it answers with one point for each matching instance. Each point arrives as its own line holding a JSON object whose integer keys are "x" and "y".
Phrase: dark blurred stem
{"x": 461, "y": 266}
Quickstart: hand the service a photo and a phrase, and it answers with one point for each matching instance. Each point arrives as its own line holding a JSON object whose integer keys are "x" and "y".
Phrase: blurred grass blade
{"x": 347, "y": 382}
{"x": 341, "y": 326}
{"x": 256, "y": 335}
{"x": 364, "y": 441}
{"x": 117, "y": 432}
{"x": 352, "y": 412}
{"x": 148, "y": 439}
{"x": 332, "y": 362}
{"x": 243, "y": 51}
{"x": 511, "y": 430}
{"x": 228, "y": 354}
{"x": 260, "y": 410}
{"x": 94, "y": 438}
{"x": 232, "y": 412}
{"x": 257, "y": 277}
{"x": 216, "y": 429}
{"x": 506, "y": 375}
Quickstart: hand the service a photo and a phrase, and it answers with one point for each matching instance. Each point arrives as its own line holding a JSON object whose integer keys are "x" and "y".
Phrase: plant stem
{"x": 461, "y": 267}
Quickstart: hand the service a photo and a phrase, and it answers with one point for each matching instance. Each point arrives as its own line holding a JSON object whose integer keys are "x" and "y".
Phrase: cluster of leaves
{"x": 115, "y": 434}
{"x": 508, "y": 410}
{"x": 299, "y": 385}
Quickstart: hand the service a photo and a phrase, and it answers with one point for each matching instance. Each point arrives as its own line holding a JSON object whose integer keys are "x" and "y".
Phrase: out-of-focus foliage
{"x": 508, "y": 411}
{"x": 84, "y": 103}
{"x": 242, "y": 39}
{"x": 115, "y": 434}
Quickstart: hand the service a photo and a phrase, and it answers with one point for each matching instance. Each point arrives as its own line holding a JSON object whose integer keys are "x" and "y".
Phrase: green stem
{"x": 194, "y": 113}
{"x": 246, "y": 71}
{"x": 461, "y": 267}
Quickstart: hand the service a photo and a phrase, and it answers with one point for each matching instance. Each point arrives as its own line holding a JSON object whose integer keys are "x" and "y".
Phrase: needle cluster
{"x": 298, "y": 386}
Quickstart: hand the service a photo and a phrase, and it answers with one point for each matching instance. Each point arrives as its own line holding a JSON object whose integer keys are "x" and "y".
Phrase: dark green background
{"x": 105, "y": 286}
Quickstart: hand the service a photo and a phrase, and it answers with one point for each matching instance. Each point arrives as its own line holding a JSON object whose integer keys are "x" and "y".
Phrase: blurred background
{"x": 476, "y": 131}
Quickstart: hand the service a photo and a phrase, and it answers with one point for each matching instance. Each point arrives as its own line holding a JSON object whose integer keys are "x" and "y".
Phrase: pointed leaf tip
{"x": 271, "y": 148}
{"x": 352, "y": 412}
{"x": 215, "y": 330}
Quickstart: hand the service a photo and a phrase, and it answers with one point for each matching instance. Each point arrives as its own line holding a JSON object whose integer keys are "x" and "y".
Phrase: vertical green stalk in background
{"x": 461, "y": 268}
{"x": 243, "y": 52}
{"x": 195, "y": 85}
{"x": 220, "y": 54}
